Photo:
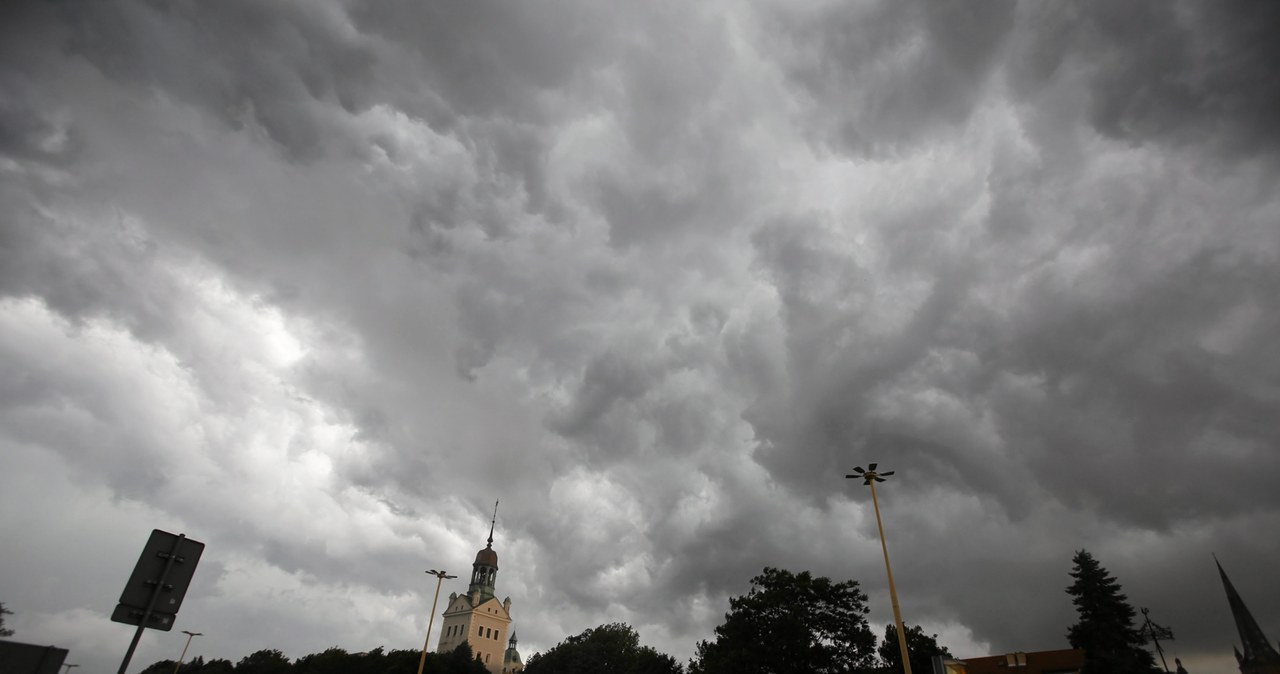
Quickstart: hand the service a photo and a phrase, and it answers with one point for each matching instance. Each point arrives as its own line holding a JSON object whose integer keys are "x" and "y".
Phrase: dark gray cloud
{"x": 884, "y": 77}
{"x": 1198, "y": 75}
{"x": 277, "y": 67}
{"x": 315, "y": 282}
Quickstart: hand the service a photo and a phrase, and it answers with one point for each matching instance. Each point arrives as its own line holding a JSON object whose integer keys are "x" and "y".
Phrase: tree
{"x": 217, "y": 666}
{"x": 160, "y": 667}
{"x": 1105, "y": 630}
{"x": 461, "y": 660}
{"x": 921, "y": 646}
{"x": 401, "y": 662}
{"x": 791, "y": 623}
{"x": 265, "y": 661}
{"x": 608, "y": 648}
{"x": 4, "y": 631}
{"x": 196, "y": 665}
{"x": 331, "y": 661}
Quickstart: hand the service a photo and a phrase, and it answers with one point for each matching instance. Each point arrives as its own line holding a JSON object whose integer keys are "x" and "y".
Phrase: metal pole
{"x": 1150, "y": 628}
{"x": 151, "y": 605}
{"x": 430, "y": 621}
{"x": 893, "y": 592}
{"x": 1161, "y": 652}
{"x": 181, "y": 658}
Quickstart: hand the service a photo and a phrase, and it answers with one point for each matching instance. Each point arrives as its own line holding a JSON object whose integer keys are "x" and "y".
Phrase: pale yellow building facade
{"x": 478, "y": 618}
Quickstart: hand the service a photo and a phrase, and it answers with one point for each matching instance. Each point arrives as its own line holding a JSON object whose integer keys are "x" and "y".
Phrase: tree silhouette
{"x": 791, "y": 623}
{"x": 265, "y": 661}
{"x": 4, "y": 631}
{"x": 160, "y": 667}
{"x": 332, "y": 661}
{"x": 921, "y": 646}
{"x": 607, "y": 648}
{"x": 1105, "y": 630}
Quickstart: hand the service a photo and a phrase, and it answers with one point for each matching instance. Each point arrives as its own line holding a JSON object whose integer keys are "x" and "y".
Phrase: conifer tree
{"x": 4, "y": 631}
{"x": 1105, "y": 629}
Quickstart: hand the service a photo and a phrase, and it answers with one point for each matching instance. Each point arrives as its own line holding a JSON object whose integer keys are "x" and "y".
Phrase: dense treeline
{"x": 786, "y": 623}
{"x": 332, "y": 661}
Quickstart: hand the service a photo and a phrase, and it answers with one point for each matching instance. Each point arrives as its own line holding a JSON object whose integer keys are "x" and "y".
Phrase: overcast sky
{"x": 315, "y": 282}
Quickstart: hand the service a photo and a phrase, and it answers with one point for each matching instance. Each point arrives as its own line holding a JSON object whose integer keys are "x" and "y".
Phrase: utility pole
{"x": 183, "y": 657}
{"x": 870, "y": 477}
{"x": 440, "y": 576}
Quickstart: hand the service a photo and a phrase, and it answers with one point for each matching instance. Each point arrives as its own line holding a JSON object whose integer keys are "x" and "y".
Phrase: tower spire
{"x": 1258, "y": 655}
{"x": 484, "y": 571}
{"x": 492, "y": 523}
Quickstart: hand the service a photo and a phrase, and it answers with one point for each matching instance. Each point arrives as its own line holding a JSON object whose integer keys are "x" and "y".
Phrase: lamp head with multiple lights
{"x": 870, "y": 474}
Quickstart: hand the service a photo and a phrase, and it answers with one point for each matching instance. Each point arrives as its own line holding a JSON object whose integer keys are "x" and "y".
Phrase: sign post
{"x": 158, "y": 583}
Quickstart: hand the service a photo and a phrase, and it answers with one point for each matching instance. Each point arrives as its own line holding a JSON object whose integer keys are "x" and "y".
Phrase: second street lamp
{"x": 440, "y": 576}
{"x": 190, "y": 636}
{"x": 871, "y": 477}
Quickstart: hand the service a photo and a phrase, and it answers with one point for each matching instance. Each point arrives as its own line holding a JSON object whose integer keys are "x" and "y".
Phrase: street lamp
{"x": 440, "y": 576}
{"x": 871, "y": 477}
{"x": 190, "y": 636}
{"x": 68, "y": 666}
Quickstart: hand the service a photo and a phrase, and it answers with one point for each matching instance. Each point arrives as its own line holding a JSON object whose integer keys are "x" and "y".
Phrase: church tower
{"x": 1258, "y": 656}
{"x": 477, "y": 617}
{"x": 511, "y": 662}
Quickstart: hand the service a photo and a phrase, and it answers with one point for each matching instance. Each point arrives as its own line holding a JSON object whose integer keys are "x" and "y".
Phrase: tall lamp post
{"x": 870, "y": 477}
{"x": 181, "y": 658}
{"x": 440, "y": 576}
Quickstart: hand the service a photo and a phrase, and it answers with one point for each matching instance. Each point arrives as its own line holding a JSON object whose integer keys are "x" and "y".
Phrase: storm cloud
{"x": 317, "y": 282}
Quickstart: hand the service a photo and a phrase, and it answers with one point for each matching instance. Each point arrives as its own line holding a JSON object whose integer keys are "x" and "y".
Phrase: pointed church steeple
{"x": 1259, "y": 657}
{"x": 511, "y": 662}
{"x": 484, "y": 572}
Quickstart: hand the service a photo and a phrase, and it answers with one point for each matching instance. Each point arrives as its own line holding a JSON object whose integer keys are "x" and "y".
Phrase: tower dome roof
{"x": 487, "y": 557}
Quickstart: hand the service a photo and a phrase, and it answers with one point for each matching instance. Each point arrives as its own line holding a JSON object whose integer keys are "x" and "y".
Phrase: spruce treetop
{"x": 1104, "y": 629}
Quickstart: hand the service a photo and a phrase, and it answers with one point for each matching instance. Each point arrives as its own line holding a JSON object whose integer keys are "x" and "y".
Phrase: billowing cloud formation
{"x": 316, "y": 282}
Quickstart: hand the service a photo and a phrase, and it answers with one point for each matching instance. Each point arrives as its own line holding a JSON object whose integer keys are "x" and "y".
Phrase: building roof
{"x": 1038, "y": 662}
{"x": 487, "y": 557}
{"x": 1257, "y": 650}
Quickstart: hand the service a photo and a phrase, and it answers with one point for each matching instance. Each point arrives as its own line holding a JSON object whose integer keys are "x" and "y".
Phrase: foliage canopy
{"x": 4, "y": 631}
{"x": 332, "y": 661}
{"x": 608, "y": 648}
{"x": 1105, "y": 630}
{"x": 921, "y": 647}
{"x": 791, "y": 624}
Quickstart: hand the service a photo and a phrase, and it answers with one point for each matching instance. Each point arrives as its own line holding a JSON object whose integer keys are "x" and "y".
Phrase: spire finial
{"x": 1257, "y": 650}
{"x": 492, "y": 523}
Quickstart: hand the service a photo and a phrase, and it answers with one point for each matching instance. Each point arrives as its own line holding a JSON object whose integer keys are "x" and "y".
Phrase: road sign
{"x": 30, "y": 659}
{"x": 150, "y": 568}
{"x": 154, "y": 592}
{"x": 133, "y": 616}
